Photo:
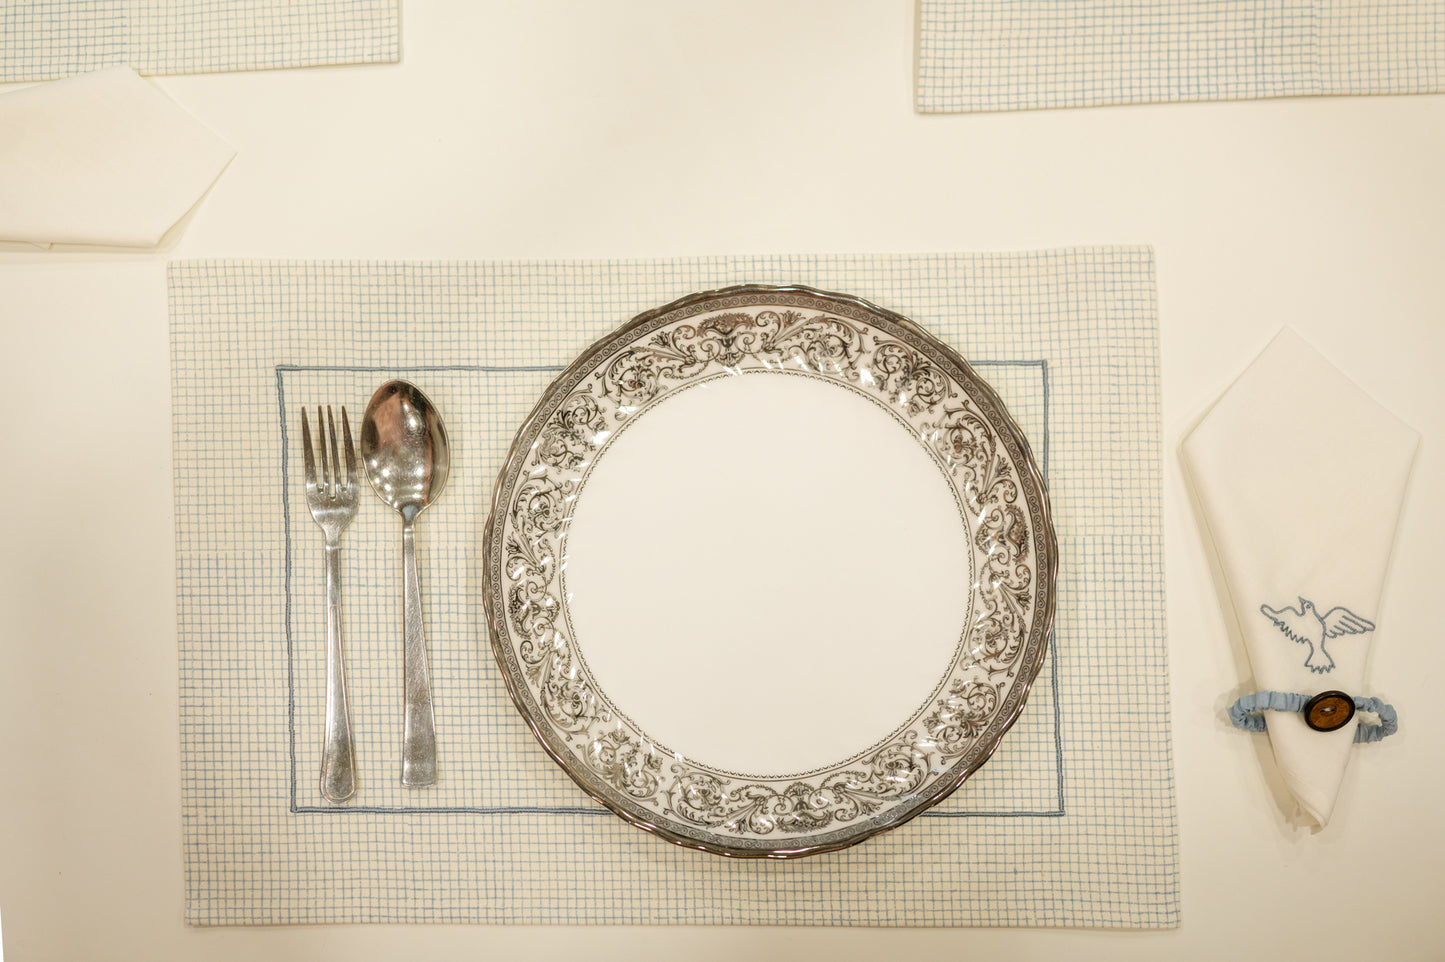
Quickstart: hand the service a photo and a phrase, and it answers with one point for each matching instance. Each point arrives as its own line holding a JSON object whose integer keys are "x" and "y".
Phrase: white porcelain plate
{"x": 769, "y": 570}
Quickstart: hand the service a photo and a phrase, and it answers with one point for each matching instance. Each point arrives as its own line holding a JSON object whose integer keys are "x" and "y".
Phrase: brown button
{"x": 1329, "y": 710}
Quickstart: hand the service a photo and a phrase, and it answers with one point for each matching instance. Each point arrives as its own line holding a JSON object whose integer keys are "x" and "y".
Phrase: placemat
{"x": 978, "y": 55}
{"x": 46, "y": 39}
{"x": 1072, "y": 823}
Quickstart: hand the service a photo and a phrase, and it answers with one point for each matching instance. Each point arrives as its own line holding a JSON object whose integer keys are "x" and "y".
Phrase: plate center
{"x": 767, "y": 573}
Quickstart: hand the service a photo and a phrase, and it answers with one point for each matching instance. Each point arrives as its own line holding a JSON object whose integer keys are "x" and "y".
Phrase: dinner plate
{"x": 769, "y": 570}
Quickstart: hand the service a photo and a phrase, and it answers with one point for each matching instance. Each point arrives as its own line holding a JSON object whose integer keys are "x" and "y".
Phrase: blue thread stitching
{"x": 1296, "y": 625}
{"x": 294, "y": 803}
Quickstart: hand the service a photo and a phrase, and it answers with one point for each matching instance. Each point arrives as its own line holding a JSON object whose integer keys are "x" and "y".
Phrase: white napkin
{"x": 100, "y": 159}
{"x": 1300, "y": 476}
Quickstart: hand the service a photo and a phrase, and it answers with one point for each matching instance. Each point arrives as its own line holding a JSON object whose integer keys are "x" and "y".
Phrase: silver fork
{"x": 332, "y": 498}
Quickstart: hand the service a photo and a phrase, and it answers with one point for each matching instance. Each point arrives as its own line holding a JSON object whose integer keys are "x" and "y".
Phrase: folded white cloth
{"x": 1300, "y": 476}
{"x": 101, "y": 159}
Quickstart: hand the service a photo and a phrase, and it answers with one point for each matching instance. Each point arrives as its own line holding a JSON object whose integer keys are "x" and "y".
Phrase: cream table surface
{"x": 654, "y": 129}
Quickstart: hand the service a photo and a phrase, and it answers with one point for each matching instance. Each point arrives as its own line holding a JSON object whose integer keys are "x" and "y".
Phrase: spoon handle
{"x": 419, "y": 741}
{"x": 338, "y": 768}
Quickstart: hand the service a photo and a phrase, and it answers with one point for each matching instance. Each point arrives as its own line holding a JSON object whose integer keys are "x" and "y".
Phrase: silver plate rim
{"x": 1028, "y": 671}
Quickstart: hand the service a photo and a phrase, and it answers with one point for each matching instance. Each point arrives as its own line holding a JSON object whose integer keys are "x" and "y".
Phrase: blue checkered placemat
{"x": 978, "y": 55}
{"x": 46, "y": 39}
{"x": 1072, "y": 823}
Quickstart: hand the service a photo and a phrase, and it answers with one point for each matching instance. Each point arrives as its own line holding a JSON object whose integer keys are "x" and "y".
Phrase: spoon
{"x": 404, "y": 448}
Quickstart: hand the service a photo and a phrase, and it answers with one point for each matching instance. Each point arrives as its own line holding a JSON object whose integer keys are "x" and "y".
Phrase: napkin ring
{"x": 1324, "y": 712}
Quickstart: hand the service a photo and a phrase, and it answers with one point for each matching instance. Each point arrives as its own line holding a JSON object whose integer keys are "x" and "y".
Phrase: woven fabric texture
{"x": 980, "y": 55}
{"x": 1072, "y": 822}
{"x": 48, "y": 39}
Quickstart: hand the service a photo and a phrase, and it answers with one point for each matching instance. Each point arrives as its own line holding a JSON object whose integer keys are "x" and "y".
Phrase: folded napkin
{"x": 1300, "y": 476}
{"x": 101, "y": 159}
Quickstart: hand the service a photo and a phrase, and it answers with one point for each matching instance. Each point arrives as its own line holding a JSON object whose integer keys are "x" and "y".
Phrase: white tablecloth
{"x": 776, "y": 127}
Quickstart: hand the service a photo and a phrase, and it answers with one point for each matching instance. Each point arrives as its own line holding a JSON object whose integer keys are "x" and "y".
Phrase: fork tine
{"x": 350, "y": 451}
{"x": 306, "y": 446}
{"x": 325, "y": 473}
{"x": 335, "y": 458}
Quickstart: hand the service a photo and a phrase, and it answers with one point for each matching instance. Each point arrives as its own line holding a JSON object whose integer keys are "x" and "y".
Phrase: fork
{"x": 332, "y": 498}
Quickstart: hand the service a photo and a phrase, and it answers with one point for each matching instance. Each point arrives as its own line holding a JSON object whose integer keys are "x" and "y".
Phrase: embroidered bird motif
{"x": 1308, "y": 627}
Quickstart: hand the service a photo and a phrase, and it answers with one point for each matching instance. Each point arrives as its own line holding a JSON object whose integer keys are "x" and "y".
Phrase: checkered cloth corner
{"x": 980, "y": 55}
{"x": 48, "y": 39}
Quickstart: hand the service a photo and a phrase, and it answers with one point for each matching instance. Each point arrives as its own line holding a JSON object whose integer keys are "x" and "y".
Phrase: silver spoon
{"x": 404, "y": 447}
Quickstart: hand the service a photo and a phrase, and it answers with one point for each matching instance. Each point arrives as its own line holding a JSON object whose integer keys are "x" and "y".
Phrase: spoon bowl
{"x": 404, "y": 447}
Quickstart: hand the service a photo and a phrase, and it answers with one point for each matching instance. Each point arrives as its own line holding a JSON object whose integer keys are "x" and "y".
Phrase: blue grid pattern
{"x": 47, "y": 39}
{"x": 1079, "y": 815}
{"x": 981, "y": 55}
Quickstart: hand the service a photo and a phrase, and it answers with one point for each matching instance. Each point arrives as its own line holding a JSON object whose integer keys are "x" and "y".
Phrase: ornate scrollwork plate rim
{"x": 1030, "y": 663}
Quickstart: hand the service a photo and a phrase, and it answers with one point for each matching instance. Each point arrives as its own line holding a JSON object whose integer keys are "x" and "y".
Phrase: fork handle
{"x": 338, "y": 767}
{"x": 419, "y": 740}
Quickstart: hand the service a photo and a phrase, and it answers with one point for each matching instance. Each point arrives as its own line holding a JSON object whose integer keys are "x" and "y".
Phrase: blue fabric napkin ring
{"x": 1324, "y": 712}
